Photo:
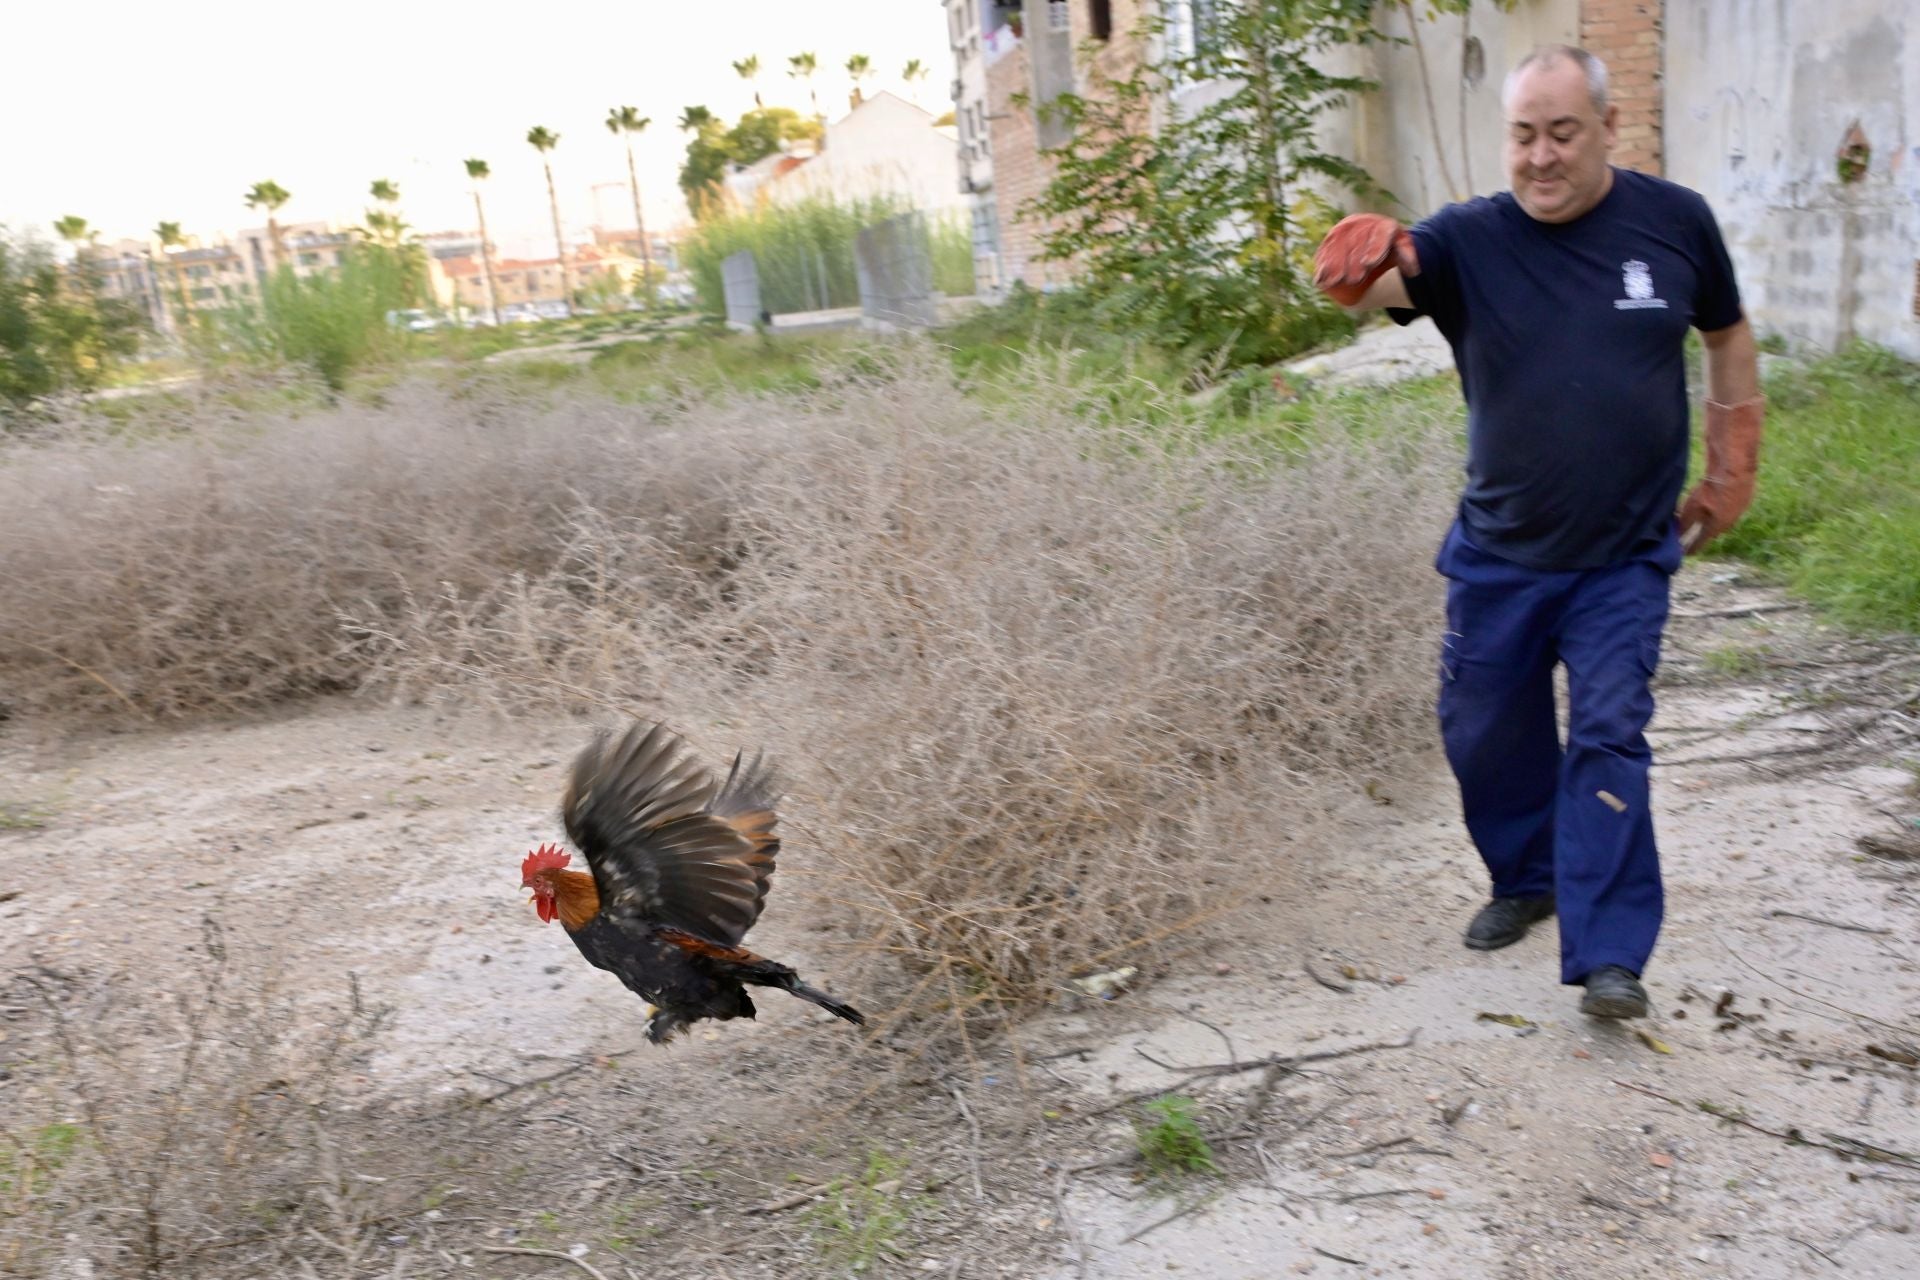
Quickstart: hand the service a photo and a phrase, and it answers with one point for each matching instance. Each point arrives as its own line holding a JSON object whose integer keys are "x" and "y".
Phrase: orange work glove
{"x": 1733, "y": 461}
{"x": 1360, "y": 249}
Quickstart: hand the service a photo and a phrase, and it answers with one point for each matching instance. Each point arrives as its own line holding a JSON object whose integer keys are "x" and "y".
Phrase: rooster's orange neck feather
{"x": 577, "y": 897}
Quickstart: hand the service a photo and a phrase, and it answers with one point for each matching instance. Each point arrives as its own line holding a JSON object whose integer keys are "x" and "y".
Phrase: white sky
{"x": 130, "y": 113}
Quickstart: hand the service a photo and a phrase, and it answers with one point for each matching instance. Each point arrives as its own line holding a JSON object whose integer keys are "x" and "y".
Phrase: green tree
{"x": 170, "y": 238}
{"x": 714, "y": 148}
{"x": 478, "y": 171}
{"x": 74, "y": 230}
{"x": 748, "y": 69}
{"x": 544, "y": 140}
{"x": 58, "y": 332}
{"x": 623, "y": 123}
{"x": 386, "y": 232}
{"x": 707, "y": 159}
{"x": 271, "y": 196}
{"x": 801, "y": 66}
{"x": 1200, "y": 230}
{"x": 859, "y": 67}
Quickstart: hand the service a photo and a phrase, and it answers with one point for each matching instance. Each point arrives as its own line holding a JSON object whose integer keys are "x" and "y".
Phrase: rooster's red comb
{"x": 548, "y": 857}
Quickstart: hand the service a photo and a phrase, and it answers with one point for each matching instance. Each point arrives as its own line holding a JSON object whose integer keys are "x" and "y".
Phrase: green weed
{"x": 1170, "y": 1140}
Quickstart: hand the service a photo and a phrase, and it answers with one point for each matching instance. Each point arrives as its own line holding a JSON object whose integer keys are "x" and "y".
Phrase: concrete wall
{"x": 884, "y": 147}
{"x": 1760, "y": 96}
{"x": 1391, "y": 131}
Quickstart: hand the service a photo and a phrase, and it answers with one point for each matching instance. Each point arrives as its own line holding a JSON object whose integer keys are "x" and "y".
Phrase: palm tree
{"x": 479, "y": 171}
{"x": 625, "y": 122}
{"x": 916, "y": 73}
{"x": 543, "y": 140}
{"x": 694, "y": 119}
{"x": 859, "y": 67}
{"x": 801, "y": 66}
{"x": 74, "y": 230}
{"x": 270, "y": 195}
{"x": 748, "y": 69}
{"x": 385, "y": 228}
{"x": 168, "y": 234}
{"x": 385, "y": 191}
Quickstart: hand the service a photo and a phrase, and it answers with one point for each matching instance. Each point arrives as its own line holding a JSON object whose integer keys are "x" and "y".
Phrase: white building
{"x": 979, "y": 33}
{"x": 884, "y": 147}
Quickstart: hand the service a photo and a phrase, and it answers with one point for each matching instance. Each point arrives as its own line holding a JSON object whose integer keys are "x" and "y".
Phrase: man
{"x": 1567, "y": 302}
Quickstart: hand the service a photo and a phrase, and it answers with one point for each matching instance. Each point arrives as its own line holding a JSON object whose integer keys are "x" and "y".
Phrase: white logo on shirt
{"x": 1636, "y": 278}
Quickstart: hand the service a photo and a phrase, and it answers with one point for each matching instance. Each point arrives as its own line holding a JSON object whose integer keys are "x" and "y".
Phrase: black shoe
{"x": 1505, "y": 921}
{"x": 1614, "y": 992}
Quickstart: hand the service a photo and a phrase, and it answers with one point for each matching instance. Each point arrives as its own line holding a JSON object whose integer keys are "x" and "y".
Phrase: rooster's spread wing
{"x": 664, "y": 842}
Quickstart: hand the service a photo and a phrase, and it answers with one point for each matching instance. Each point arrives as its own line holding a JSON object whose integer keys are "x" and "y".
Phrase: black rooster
{"x": 680, "y": 870}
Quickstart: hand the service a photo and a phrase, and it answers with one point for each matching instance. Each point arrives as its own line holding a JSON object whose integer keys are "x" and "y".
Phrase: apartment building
{"x": 529, "y": 285}
{"x": 980, "y": 33}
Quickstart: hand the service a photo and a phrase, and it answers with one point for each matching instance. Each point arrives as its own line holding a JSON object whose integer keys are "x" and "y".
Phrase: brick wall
{"x": 1628, "y": 36}
{"x": 1019, "y": 172}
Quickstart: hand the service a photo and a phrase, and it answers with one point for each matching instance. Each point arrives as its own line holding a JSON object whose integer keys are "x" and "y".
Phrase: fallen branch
{"x": 973, "y": 1152}
{"x": 1175, "y": 1216}
{"x": 1369, "y": 1149}
{"x": 545, "y": 1253}
{"x": 1815, "y": 1248}
{"x": 1067, "y": 1228}
{"x": 1748, "y": 757}
{"x": 1376, "y": 1195}
{"x": 1337, "y": 1257}
{"x": 785, "y": 1203}
{"x": 1212, "y": 1069}
{"x": 1905, "y": 1031}
{"x": 1737, "y": 611}
{"x": 1852, "y": 1148}
{"x": 573, "y": 1069}
{"x": 1831, "y": 924}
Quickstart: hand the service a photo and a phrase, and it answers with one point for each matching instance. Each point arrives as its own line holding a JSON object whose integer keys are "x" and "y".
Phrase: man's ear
{"x": 1612, "y": 122}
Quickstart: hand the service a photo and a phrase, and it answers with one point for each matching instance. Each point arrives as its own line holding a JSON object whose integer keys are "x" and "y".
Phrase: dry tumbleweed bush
{"x": 159, "y": 1131}
{"x": 1045, "y": 689}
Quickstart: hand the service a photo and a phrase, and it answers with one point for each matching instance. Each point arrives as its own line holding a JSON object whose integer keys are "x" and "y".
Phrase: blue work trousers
{"x": 1572, "y": 820}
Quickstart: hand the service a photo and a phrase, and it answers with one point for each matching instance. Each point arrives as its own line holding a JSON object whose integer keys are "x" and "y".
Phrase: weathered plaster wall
{"x": 1392, "y": 130}
{"x": 1760, "y": 95}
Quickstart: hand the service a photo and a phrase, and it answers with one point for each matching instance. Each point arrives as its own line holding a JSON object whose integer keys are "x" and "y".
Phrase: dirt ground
{"x": 385, "y": 842}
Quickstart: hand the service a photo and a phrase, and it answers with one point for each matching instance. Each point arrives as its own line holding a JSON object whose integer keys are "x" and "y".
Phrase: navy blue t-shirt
{"x": 1569, "y": 341}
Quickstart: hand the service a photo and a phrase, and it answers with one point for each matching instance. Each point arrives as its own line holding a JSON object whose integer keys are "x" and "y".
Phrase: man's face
{"x": 1556, "y": 143}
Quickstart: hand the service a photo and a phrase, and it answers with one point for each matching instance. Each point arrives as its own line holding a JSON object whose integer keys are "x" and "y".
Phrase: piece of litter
{"x": 1652, "y": 1041}
{"x": 1660, "y": 1160}
{"x": 578, "y": 1251}
{"x": 1504, "y": 1019}
{"x": 1612, "y": 801}
{"x": 1104, "y": 986}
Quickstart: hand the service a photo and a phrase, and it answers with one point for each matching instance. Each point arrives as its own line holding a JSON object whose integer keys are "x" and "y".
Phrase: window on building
{"x": 1193, "y": 26}
{"x": 1100, "y": 19}
{"x": 986, "y": 230}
